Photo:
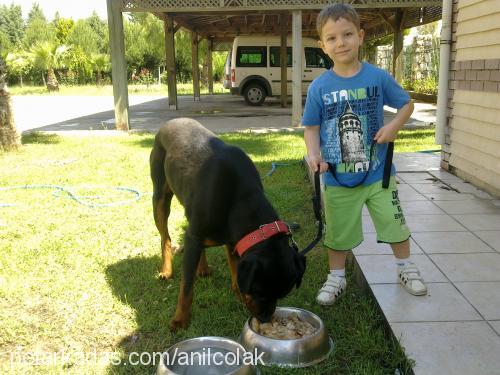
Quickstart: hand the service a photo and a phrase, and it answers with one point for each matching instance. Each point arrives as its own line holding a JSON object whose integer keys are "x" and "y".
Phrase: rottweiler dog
{"x": 224, "y": 202}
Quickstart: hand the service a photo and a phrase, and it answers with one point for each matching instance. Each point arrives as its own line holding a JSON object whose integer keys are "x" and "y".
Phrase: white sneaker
{"x": 331, "y": 290}
{"x": 409, "y": 277}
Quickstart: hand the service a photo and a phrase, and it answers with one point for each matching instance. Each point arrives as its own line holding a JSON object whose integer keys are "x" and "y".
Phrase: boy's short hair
{"x": 335, "y": 12}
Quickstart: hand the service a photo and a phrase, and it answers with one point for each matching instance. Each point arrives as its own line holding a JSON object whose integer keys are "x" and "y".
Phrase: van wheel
{"x": 254, "y": 94}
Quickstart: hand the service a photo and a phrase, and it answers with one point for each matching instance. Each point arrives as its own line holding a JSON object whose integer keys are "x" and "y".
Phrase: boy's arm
{"x": 311, "y": 138}
{"x": 389, "y": 132}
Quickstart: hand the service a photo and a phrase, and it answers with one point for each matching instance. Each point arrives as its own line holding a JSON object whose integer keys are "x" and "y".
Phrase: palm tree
{"x": 9, "y": 137}
{"x": 48, "y": 57}
{"x": 101, "y": 64}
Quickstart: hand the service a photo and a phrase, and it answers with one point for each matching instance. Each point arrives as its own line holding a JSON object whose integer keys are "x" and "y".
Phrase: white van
{"x": 256, "y": 70}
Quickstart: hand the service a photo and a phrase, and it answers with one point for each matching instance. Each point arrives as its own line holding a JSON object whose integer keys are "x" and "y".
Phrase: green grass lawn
{"x": 83, "y": 90}
{"x": 76, "y": 279}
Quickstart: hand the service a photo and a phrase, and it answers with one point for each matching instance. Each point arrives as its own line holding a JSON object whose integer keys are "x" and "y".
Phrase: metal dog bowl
{"x": 205, "y": 356}
{"x": 301, "y": 352}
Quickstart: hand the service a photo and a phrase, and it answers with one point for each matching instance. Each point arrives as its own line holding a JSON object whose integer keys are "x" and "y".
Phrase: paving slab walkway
{"x": 455, "y": 328}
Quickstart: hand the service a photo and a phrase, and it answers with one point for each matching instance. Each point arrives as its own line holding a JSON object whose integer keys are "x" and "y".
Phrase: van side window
{"x": 247, "y": 56}
{"x": 316, "y": 58}
{"x": 274, "y": 57}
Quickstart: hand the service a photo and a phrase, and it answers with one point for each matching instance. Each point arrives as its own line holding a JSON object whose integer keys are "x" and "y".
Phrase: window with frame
{"x": 316, "y": 58}
{"x": 274, "y": 57}
{"x": 248, "y": 56}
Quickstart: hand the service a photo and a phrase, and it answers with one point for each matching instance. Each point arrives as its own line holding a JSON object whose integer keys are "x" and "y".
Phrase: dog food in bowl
{"x": 288, "y": 327}
{"x": 307, "y": 346}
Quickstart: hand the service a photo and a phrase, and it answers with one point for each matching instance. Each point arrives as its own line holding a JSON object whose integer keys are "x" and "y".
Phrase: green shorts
{"x": 343, "y": 207}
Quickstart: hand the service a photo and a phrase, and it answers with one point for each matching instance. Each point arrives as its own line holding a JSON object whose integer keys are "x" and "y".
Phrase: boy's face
{"x": 341, "y": 40}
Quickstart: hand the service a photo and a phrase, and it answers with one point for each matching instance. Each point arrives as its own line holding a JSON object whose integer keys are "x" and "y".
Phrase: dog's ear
{"x": 300, "y": 267}
{"x": 246, "y": 273}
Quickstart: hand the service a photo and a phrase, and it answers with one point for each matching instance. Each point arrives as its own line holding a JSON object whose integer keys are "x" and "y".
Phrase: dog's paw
{"x": 165, "y": 275}
{"x": 176, "y": 248}
{"x": 237, "y": 292}
{"x": 176, "y": 324}
{"x": 204, "y": 272}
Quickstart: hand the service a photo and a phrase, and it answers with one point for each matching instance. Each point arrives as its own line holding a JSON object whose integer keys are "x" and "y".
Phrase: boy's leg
{"x": 387, "y": 215}
{"x": 336, "y": 259}
{"x": 343, "y": 232}
{"x": 335, "y": 282}
{"x": 408, "y": 273}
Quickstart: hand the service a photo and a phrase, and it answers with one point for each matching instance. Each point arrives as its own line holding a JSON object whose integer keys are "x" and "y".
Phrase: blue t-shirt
{"x": 350, "y": 111}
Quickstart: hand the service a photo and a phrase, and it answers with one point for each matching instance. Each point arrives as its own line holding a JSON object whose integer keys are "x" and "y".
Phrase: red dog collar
{"x": 265, "y": 231}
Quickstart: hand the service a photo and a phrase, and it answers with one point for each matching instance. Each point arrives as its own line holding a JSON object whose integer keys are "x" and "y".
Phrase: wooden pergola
{"x": 221, "y": 20}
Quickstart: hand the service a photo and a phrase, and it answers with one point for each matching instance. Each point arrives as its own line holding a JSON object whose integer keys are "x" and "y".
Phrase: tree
{"x": 38, "y": 30}
{"x": 100, "y": 63}
{"x": 47, "y": 57}
{"x": 36, "y": 13}
{"x": 100, "y": 28}
{"x": 84, "y": 36}
{"x": 64, "y": 27}
{"x": 78, "y": 64}
{"x": 9, "y": 137}
{"x": 11, "y": 23}
{"x": 5, "y": 44}
{"x": 18, "y": 64}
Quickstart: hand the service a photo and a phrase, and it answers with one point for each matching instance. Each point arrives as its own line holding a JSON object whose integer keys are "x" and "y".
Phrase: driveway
{"x": 220, "y": 113}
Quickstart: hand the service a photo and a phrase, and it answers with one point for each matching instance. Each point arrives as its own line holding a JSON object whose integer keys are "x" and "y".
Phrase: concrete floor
{"x": 455, "y": 329}
{"x": 219, "y": 113}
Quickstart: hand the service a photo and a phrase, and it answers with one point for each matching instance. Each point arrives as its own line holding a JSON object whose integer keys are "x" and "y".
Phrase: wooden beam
{"x": 296, "y": 67}
{"x": 210, "y": 68}
{"x": 283, "y": 58}
{"x": 195, "y": 67}
{"x": 397, "y": 62}
{"x": 170, "y": 62}
{"x": 118, "y": 65}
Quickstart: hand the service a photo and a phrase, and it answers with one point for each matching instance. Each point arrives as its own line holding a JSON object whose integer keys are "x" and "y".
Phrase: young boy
{"x": 345, "y": 134}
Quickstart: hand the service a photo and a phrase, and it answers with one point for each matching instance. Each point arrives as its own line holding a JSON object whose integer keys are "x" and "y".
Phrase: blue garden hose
{"x": 78, "y": 198}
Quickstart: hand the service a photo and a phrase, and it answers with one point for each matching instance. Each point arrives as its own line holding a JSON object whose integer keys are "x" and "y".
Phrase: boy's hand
{"x": 387, "y": 133}
{"x": 315, "y": 161}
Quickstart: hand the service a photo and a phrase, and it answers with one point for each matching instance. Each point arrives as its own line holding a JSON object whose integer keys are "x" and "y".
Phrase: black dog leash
{"x": 387, "y": 168}
{"x": 316, "y": 200}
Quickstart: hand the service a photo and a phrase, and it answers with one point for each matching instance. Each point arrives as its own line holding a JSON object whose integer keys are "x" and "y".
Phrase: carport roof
{"x": 222, "y": 20}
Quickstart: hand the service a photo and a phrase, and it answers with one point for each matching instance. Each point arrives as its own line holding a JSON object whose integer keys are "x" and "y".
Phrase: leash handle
{"x": 388, "y": 165}
{"x": 316, "y": 200}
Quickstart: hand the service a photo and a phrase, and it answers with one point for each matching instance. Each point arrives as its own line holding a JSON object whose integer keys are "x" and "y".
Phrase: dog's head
{"x": 267, "y": 273}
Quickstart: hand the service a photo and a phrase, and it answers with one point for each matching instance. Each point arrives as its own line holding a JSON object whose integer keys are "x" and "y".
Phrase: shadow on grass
{"x": 246, "y": 141}
{"x": 216, "y": 311}
{"x": 40, "y": 138}
{"x": 134, "y": 283}
{"x": 145, "y": 141}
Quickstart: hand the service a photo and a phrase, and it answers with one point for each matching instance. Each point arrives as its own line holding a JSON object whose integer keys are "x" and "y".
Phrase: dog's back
{"x": 181, "y": 146}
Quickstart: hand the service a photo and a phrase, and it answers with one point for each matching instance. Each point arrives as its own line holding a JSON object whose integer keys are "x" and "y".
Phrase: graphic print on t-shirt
{"x": 351, "y": 123}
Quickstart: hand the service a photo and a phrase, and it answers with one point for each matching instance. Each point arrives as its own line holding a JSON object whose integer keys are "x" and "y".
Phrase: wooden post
{"x": 296, "y": 67}
{"x": 210, "y": 68}
{"x": 118, "y": 64}
{"x": 283, "y": 58}
{"x": 170, "y": 62}
{"x": 397, "y": 57}
{"x": 194, "y": 62}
